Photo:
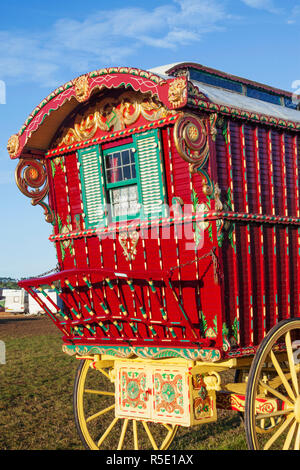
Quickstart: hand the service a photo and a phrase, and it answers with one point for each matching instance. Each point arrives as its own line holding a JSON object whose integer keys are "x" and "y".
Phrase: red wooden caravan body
{"x": 174, "y": 199}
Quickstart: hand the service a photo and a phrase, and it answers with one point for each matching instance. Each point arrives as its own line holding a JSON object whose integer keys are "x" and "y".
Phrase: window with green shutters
{"x": 92, "y": 186}
{"x": 123, "y": 183}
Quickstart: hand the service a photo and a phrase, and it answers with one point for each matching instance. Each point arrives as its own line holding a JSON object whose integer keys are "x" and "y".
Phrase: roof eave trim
{"x": 171, "y": 92}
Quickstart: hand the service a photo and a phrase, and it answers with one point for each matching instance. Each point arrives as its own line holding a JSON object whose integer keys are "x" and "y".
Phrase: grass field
{"x": 36, "y": 386}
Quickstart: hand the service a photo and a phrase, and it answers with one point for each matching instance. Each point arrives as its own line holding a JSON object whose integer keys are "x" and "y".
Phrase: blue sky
{"x": 45, "y": 44}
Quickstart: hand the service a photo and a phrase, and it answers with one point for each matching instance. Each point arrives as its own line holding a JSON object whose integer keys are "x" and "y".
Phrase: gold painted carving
{"x": 191, "y": 140}
{"x": 213, "y": 123}
{"x": 177, "y": 92}
{"x": 13, "y": 145}
{"x": 217, "y": 194}
{"x": 31, "y": 179}
{"x": 82, "y": 89}
{"x": 129, "y": 241}
{"x": 113, "y": 114}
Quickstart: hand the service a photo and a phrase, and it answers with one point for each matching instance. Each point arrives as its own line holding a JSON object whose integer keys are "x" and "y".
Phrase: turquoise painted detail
{"x": 168, "y": 392}
{"x": 205, "y": 354}
{"x": 132, "y": 389}
{"x": 92, "y": 188}
{"x": 150, "y": 170}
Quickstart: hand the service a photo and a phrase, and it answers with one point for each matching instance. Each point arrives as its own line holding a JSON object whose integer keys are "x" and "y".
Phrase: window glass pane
{"x": 125, "y": 157}
{"x": 124, "y": 201}
{"x": 127, "y": 172}
{"x": 120, "y": 166}
{"x": 133, "y": 171}
{"x": 113, "y": 167}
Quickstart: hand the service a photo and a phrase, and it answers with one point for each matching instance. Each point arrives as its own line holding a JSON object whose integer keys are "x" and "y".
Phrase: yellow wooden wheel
{"x": 273, "y": 391}
{"x": 268, "y": 423}
{"x": 97, "y": 425}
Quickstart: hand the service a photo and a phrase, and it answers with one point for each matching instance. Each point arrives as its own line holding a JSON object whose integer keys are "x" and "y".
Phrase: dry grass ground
{"x": 36, "y": 386}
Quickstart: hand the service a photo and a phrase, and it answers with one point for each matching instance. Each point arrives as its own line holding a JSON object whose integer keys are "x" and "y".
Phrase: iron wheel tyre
{"x": 275, "y": 376}
{"x": 97, "y": 426}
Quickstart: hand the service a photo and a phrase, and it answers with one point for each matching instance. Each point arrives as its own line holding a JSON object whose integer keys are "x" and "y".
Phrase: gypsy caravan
{"x": 174, "y": 200}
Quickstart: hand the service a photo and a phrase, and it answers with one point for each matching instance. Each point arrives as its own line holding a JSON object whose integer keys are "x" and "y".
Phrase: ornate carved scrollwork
{"x": 13, "y": 145}
{"x": 192, "y": 144}
{"x": 112, "y": 114}
{"x": 82, "y": 89}
{"x": 191, "y": 140}
{"x": 31, "y": 179}
{"x": 177, "y": 92}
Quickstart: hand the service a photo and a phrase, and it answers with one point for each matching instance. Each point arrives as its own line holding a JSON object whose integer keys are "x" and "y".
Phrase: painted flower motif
{"x": 168, "y": 393}
{"x": 132, "y": 389}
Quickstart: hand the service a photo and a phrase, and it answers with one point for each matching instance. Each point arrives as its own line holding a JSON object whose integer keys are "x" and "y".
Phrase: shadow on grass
{"x": 226, "y": 433}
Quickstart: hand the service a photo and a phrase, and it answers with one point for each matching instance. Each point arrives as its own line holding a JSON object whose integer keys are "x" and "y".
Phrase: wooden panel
{"x": 231, "y": 299}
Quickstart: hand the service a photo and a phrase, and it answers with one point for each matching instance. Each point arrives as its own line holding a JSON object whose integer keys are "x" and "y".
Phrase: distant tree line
{"x": 8, "y": 283}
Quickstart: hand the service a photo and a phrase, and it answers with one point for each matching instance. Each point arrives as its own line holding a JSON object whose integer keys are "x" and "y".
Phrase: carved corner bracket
{"x": 192, "y": 143}
{"x": 32, "y": 181}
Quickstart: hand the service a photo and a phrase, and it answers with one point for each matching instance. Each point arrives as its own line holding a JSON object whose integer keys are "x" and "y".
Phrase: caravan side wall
{"x": 258, "y": 168}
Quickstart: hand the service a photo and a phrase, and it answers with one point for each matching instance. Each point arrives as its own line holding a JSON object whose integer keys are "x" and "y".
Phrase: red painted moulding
{"x": 83, "y": 86}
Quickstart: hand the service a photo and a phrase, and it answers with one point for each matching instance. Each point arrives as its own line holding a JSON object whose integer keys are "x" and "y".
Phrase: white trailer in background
{"x": 35, "y": 309}
{"x": 16, "y": 300}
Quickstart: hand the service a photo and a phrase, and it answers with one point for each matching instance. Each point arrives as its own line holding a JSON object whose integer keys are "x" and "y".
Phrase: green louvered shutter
{"x": 92, "y": 186}
{"x": 151, "y": 174}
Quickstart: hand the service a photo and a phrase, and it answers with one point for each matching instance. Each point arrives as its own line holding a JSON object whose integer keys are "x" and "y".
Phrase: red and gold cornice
{"x": 172, "y": 93}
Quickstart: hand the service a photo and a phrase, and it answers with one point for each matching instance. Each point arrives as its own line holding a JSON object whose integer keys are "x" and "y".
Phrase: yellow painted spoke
{"x": 297, "y": 440}
{"x": 150, "y": 436}
{"x": 263, "y": 422}
{"x": 124, "y": 428}
{"x": 278, "y": 433}
{"x": 289, "y": 350}
{"x": 167, "y": 427}
{"x": 99, "y": 392}
{"x": 102, "y": 412}
{"x": 107, "y": 432}
{"x": 166, "y": 439}
{"x": 135, "y": 435}
{"x": 282, "y": 376}
{"x": 289, "y": 436}
{"x": 275, "y": 392}
{"x": 274, "y": 414}
{"x": 104, "y": 373}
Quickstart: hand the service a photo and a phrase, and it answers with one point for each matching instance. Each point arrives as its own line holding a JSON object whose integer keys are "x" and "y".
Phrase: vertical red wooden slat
{"x": 247, "y": 241}
{"x": 292, "y": 211}
{"x": 260, "y": 234}
{"x": 286, "y": 285}
{"x": 297, "y": 214}
{"x": 234, "y": 252}
{"x": 273, "y": 271}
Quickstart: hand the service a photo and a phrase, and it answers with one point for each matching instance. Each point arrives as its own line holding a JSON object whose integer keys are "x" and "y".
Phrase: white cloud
{"x": 267, "y": 5}
{"x": 108, "y": 37}
{"x": 295, "y": 15}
